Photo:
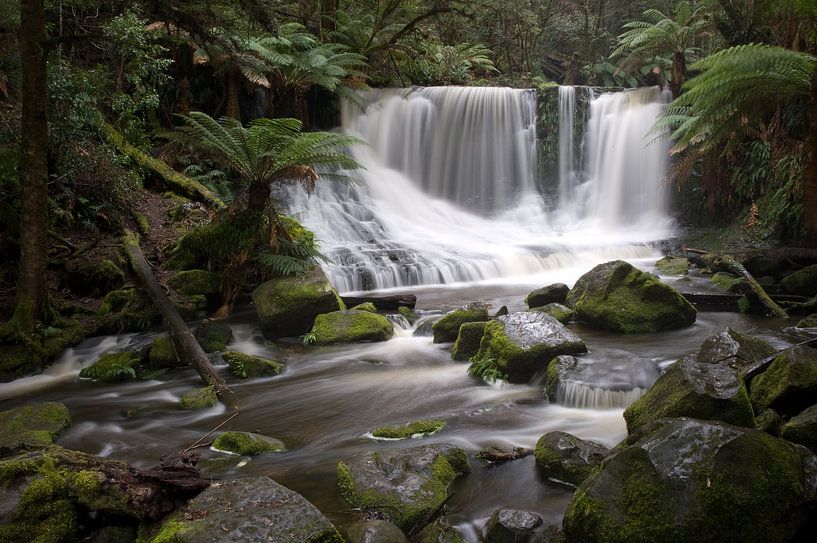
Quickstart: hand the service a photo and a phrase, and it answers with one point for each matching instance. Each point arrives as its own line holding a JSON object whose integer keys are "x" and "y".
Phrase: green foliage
{"x": 214, "y": 179}
{"x": 433, "y": 63}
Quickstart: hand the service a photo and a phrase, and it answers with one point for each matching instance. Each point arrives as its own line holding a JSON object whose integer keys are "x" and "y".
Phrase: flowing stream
{"x": 447, "y": 208}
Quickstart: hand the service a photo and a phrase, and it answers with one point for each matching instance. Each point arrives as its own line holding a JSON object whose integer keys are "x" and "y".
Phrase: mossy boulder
{"x": 250, "y": 510}
{"x": 691, "y": 480}
{"x": 439, "y": 531}
{"x": 93, "y": 277}
{"x": 468, "y": 340}
{"x": 351, "y": 326}
{"x": 726, "y": 282}
{"x": 197, "y": 282}
{"x": 517, "y": 346}
{"x": 803, "y": 282}
{"x": 694, "y": 389}
{"x": 18, "y": 359}
{"x": 560, "y": 312}
{"x": 199, "y": 398}
{"x": 32, "y": 426}
{"x": 126, "y": 310}
{"x": 802, "y": 429}
{"x": 406, "y": 486}
{"x": 734, "y": 349}
{"x": 366, "y": 306}
{"x": 245, "y": 365}
{"x": 248, "y": 444}
{"x": 374, "y": 531}
{"x": 672, "y": 265}
{"x": 512, "y": 526}
{"x": 770, "y": 421}
{"x": 448, "y": 328}
{"x": 556, "y": 372}
{"x": 287, "y": 307}
{"x": 555, "y": 293}
{"x": 789, "y": 385}
{"x": 213, "y": 336}
{"x": 162, "y": 354}
{"x": 113, "y": 367}
{"x": 616, "y": 296}
{"x": 408, "y": 313}
{"x": 567, "y": 458}
{"x": 417, "y": 428}
{"x": 808, "y": 322}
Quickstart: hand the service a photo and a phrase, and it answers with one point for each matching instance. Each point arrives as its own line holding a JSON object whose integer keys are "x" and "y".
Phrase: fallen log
{"x": 382, "y": 303}
{"x": 714, "y": 301}
{"x": 751, "y": 288}
{"x": 183, "y": 340}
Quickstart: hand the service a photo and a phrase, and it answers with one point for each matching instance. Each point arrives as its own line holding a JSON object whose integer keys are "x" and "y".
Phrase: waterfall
{"x": 567, "y": 145}
{"x": 449, "y": 195}
{"x": 583, "y": 396}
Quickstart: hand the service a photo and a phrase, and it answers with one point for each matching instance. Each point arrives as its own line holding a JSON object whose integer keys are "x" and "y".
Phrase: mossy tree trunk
{"x": 678, "y": 73}
{"x": 810, "y": 173}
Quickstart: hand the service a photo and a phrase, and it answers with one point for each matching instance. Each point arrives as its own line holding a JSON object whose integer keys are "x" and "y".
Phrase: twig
{"x": 208, "y": 434}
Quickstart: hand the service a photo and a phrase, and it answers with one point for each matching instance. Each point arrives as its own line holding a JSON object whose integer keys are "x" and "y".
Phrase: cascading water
{"x": 449, "y": 195}
{"x": 567, "y": 146}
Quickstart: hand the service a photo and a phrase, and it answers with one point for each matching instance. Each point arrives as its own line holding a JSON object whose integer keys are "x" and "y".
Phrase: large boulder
{"x": 618, "y": 297}
{"x": 32, "y": 426}
{"x": 802, "y": 429}
{"x": 567, "y": 458}
{"x": 448, "y": 328}
{"x": 197, "y": 282}
{"x": 803, "y": 282}
{"x": 126, "y": 310}
{"x": 468, "y": 340}
{"x": 113, "y": 367}
{"x": 162, "y": 354}
{"x": 789, "y": 385}
{"x": 253, "y": 510}
{"x": 734, "y": 349}
{"x": 555, "y": 293}
{"x": 287, "y": 306}
{"x": 512, "y": 526}
{"x": 407, "y": 486}
{"x": 351, "y": 326}
{"x": 694, "y": 389}
{"x": 89, "y": 277}
{"x": 691, "y": 480}
{"x": 517, "y": 346}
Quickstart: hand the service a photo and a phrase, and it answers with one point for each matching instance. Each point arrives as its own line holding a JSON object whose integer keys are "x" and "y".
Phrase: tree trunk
{"x": 679, "y": 70}
{"x": 32, "y": 285}
{"x": 184, "y": 343}
{"x": 233, "y": 90}
{"x": 810, "y": 172}
{"x": 328, "y": 20}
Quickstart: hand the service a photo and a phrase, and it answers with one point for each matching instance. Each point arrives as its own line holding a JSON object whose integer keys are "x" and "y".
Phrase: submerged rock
{"x": 366, "y": 306}
{"x": 213, "y": 336}
{"x": 244, "y": 365}
{"x": 287, "y": 306}
{"x": 199, "y": 398}
{"x": 789, "y": 385}
{"x": 375, "y": 531}
{"x": 417, "y": 428}
{"x": 803, "y": 282}
{"x": 32, "y": 426}
{"x": 404, "y": 485}
{"x": 448, "y": 328}
{"x": 512, "y": 526}
{"x": 567, "y": 458}
{"x": 248, "y": 444}
{"x": 467, "y": 344}
{"x": 555, "y": 293}
{"x": 517, "y": 346}
{"x": 113, "y": 367}
{"x": 560, "y": 312}
{"x": 351, "y": 326}
{"x": 618, "y": 297}
{"x": 691, "y": 480}
{"x": 672, "y": 265}
{"x": 252, "y": 510}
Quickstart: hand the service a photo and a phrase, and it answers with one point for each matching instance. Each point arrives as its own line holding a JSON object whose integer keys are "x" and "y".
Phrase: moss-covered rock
{"x": 517, "y": 346}
{"x": 408, "y": 313}
{"x": 162, "y": 354}
{"x": 287, "y": 307}
{"x": 93, "y": 278}
{"x": 198, "y": 398}
{"x": 567, "y": 458}
{"x": 672, "y": 265}
{"x": 556, "y": 372}
{"x": 439, "y": 531}
{"x": 789, "y": 385}
{"x": 244, "y": 365}
{"x": 802, "y": 429}
{"x": 512, "y": 526}
{"x": 19, "y": 360}
{"x": 406, "y": 486}
{"x": 213, "y": 336}
{"x": 734, "y": 349}
{"x": 417, "y": 428}
{"x": 126, "y": 310}
{"x": 689, "y": 480}
{"x": 351, "y": 326}
{"x": 726, "y": 282}
{"x": 555, "y": 293}
{"x": 113, "y": 367}
{"x": 803, "y": 282}
{"x": 374, "y": 531}
{"x": 32, "y": 426}
{"x": 560, "y": 312}
{"x": 448, "y": 328}
{"x": 694, "y": 389}
{"x": 197, "y": 282}
{"x": 770, "y": 421}
{"x": 248, "y": 444}
{"x": 808, "y": 322}
{"x": 468, "y": 340}
{"x": 618, "y": 297}
{"x": 366, "y": 306}
{"x": 250, "y": 510}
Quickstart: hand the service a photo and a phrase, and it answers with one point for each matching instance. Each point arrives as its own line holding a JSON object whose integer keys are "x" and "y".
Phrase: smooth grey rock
{"x": 555, "y": 293}
{"x": 567, "y": 458}
{"x": 375, "y": 531}
{"x": 511, "y": 526}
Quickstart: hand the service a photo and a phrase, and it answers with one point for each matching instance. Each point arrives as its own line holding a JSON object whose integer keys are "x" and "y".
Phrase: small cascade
{"x": 584, "y": 396}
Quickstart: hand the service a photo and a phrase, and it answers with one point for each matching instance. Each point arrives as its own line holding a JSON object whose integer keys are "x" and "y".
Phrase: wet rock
{"x": 113, "y": 367}
{"x": 163, "y": 355}
{"x": 616, "y": 296}
{"x": 32, "y": 426}
{"x": 672, "y": 265}
{"x": 213, "y": 336}
{"x": 440, "y": 531}
{"x": 559, "y": 312}
{"x": 501, "y": 312}
{"x": 803, "y": 282}
{"x": 248, "y": 444}
{"x": 375, "y": 531}
{"x": 245, "y": 365}
{"x": 769, "y": 421}
{"x": 409, "y": 314}
{"x": 567, "y": 458}
{"x": 126, "y": 310}
{"x": 519, "y": 345}
{"x": 417, "y": 428}
{"x": 691, "y": 480}
{"x": 726, "y": 282}
{"x": 93, "y": 278}
{"x": 555, "y": 293}
{"x": 734, "y": 349}
{"x": 404, "y": 485}
{"x": 351, "y": 326}
{"x": 511, "y": 526}
{"x": 287, "y": 306}
{"x": 694, "y": 389}
{"x": 252, "y": 510}
{"x": 424, "y": 327}
{"x": 556, "y": 372}
{"x": 789, "y": 385}
{"x": 366, "y": 306}
{"x": 802, "y": 429}
{"x": 199, "y": 398}
{"x": 808, "y": 322}
{"x": 467, "y": 344}
{"x": 448, "y": 328}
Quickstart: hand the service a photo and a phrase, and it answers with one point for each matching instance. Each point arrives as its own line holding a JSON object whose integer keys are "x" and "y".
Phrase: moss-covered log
{"x": 725, "y": 263}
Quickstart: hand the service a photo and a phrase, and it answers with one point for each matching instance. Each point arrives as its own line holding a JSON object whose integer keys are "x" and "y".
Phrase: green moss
{"x": 126, "y": 310}
{"x": 789, "y": 384}
{"x": 366, "y": 306}
{"x": 214, "y": 337}
{"x": 167, "y": 532}
{"x": 808, "y": 322}
{"x": 351, "y": 326}
{"x": 448, "y": 328}
{"x": 163, "y": 354}
{"x": 802, "y": 429}
{"x": 408, "y": 314}
{"x": 671, "y": 265}
{"x": 245, "y": 365}
{"x": 725, "y": 281}
{"x": 803, "y": 282}
{"x": 410, "y": 429}
{"x": 32, "y": 426}
{"x": 199, "y": 398}
{"x": 468, "y": 340}
{"x": 559, "y": 312}
{"x": 247, "y": 444}
{"x": 113, "y": 367}
{"x": 194, "y": 282}
{"x": 142, "y": 222}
